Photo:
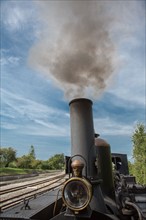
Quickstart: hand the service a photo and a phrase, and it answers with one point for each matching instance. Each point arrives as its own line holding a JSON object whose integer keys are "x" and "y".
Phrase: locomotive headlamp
{"x": 77, "y": 193}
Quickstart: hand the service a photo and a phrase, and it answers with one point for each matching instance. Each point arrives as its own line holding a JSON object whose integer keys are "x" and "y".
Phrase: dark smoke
{"x": 75, "y": 48}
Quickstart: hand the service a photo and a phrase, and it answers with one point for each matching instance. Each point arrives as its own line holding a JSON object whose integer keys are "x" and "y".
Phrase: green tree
{"x": 131, "y": 167}
{"x": 139, "y": 153}
{"x": 32, "y": 152}
{"x": 24, "y": 162}
{"x": 7, "y": 155}
{"x": 28, "y": 161}
{"x": 45, "y": 165}
{"x": 36, "y": 164}
{"x": 56, "y": 162}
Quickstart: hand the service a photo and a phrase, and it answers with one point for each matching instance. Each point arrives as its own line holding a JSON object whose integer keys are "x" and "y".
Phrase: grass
{"x": 13, "y": 171}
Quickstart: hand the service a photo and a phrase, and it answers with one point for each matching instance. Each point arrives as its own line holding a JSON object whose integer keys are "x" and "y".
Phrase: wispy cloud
{"x": 129, "y": 32}
{"x": 7, "y": 59}
{"x": 15, "y": 14}
{"x": 20, "y": 19}
{"x": 33, "y": 118}
{"x": 130, "y": 85}
{"x": 107, "y": 126}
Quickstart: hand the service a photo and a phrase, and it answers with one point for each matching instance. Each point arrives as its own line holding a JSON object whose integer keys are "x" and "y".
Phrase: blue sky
{"x": 34, "y": 104}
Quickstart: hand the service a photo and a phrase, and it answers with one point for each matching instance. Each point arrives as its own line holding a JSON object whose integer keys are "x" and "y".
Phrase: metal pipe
{"x": 135, "y": 207}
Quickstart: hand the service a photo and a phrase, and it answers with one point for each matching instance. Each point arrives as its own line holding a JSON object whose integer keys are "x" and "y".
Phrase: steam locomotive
{"x": 98, "y": 184}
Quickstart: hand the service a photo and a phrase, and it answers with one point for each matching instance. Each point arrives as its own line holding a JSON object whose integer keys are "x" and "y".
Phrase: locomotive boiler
{"x": 98, "y": 184}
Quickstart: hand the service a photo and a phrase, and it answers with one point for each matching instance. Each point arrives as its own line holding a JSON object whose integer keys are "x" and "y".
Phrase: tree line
{"x": 137, "y": 168}
{"x": 8, "y": 159}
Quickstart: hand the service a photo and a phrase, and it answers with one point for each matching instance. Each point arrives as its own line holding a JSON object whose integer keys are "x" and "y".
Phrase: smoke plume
{"x": 75, "y": 49}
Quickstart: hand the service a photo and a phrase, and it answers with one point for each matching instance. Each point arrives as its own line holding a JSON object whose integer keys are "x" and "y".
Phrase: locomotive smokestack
{"x": 82, "y": 132}
{"x": 82, "y": 143}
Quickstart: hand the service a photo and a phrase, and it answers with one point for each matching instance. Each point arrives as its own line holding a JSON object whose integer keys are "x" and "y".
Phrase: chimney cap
{"x": 80, "y": 100}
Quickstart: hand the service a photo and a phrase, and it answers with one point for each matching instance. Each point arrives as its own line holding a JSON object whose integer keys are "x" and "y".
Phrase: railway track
{"x": 23, "y": 192}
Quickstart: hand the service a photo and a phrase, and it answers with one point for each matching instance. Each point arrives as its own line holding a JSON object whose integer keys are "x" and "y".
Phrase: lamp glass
{"x": 76, "y": 194}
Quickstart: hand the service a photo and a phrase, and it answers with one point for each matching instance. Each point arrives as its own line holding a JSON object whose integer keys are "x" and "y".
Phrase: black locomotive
{"x": 98, "y": 184}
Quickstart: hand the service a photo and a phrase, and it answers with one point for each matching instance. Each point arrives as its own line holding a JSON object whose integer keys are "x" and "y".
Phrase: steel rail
{"x": 7, "y": 203}
{"x": 16, "y": 188}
